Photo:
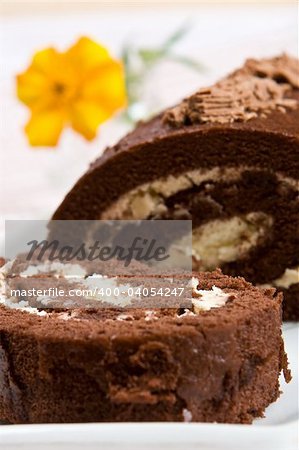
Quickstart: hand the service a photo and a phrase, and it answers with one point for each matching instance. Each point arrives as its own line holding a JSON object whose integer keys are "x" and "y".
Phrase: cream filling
{"x": 89, "y": 288}
{"x": 9, "y": 303}
{"x": 187, "y": 415}
{"x": 148, "y": 198}
{"x": 223, "y": 241}
{"x": 120, "y": 293}
{"x": 22, "y": 305}
{"x": 290, "y": 276}
{"x": 57, "y": 268}
{"x": 88, "y": 291}
{"x": 287, "y": 279}
{"x": 204, "y": 300}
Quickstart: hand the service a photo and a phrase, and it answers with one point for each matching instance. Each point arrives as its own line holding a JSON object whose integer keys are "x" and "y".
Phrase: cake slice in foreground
{"x": 218, "y": 361}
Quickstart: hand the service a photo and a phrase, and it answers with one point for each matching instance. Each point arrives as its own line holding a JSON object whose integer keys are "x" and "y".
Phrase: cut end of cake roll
{"x": 217, "y": 361}
{"x": 227, "y": 157}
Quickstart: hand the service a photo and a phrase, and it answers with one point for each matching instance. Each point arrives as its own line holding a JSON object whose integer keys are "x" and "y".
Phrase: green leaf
{"x": 138, "y": 63}
{"x": 151, "y": 55}
{"x": 185, "y": 60}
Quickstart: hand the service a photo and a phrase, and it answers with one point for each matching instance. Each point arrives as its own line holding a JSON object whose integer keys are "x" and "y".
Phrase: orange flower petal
{"x": 86, "y": 116}
{"x": 106, "y": 86}
{"x": 45, "y": 60}
{"x": 44, "y": 127}
{"x": 34, "y": 85}
{"x": 31, "y": 86}
{"x": 85, "y": 54}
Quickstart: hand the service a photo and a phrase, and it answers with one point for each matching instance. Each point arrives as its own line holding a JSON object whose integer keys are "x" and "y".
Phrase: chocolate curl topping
{"x": 255, "y": 90}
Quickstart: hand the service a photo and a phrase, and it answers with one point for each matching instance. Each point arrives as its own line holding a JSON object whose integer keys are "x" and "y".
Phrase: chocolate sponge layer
{"x": 164, "y": 365}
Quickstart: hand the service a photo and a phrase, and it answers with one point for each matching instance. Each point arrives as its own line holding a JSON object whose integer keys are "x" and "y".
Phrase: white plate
{"x": 277, "y": 431}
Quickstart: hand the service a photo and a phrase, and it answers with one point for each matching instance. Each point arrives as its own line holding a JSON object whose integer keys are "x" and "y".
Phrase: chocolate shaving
{"x": 282, "y": 69}
{"x": 255, "y": 90}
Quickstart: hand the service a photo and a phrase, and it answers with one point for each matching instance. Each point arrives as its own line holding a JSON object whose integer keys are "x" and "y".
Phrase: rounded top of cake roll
{"x": 256, "y": 96}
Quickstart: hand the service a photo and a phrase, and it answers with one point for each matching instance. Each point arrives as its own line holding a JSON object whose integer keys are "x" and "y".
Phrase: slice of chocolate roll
{"x": 217, "y": 361}
{"x": 228, "y": 158}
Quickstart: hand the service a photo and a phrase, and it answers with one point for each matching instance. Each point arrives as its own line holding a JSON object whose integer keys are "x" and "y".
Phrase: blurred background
{"x": 219, "y": 36}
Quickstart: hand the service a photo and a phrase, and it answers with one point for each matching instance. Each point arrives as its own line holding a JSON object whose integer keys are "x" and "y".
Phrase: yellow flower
{"x": 81, "y": 87}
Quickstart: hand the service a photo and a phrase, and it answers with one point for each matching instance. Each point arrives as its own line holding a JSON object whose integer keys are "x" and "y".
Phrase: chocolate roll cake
{"x": 227, "y": 157}
{"x": 218, "y": 360}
